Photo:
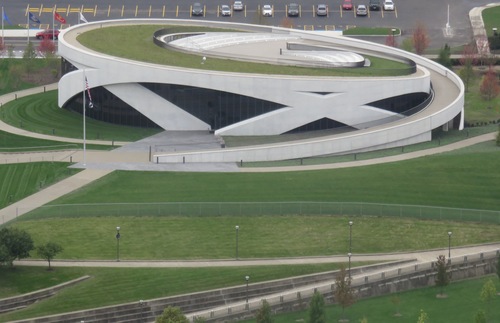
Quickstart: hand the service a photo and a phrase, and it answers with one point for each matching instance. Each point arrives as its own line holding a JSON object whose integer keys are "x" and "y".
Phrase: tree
{"x": 488, "y": 293}
{"x": 468, "y": 59}
{"x": 48, "y": 251}
{"x": 264, "y": 313}
{"x": 29, "y": 56}
{"x": 344, "y": 295}
{"x": 420, "y": 39}
{"x": 47, "y": 48}
{"x": 480, "y": 317}
{"x": 444, "y": 56}
{"x": 2, "y": 46}
{"x": 489, "y": 86}
{"x": 407, "y": 44}
{"x": 15, "y": 244}
{"x": 317, "y": 309}
{"x": 423, "y": 317}
{"x": 390, "y": 40}
{"x": 172, "y": 315}
{"x": 498, "y": 263}
{"x": 442, "y": 276}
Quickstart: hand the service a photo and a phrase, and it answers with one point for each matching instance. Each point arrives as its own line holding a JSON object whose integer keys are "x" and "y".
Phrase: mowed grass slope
{"x": 109, "y": 286}
{"x": 457, "y": 180}
{"x": 213, "y": 237}
{"x": 20, "y": 180}
{"x": 39, "y": 113}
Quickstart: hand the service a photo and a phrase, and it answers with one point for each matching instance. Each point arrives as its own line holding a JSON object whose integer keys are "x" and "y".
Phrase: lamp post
{"x": 247, "y": 278}
{"x": 495, "y": 31}
{"x": 349, "y": 255}
{"x": 237, "y": 229}
{"x": 117, "y": 243}
{"x": 393, "y": 40}
{"x": 350, "y": 236}
{"x": 449, "y": 245}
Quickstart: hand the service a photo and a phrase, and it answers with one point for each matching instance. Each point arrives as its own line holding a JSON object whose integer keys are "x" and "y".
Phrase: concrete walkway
{"x": 417, "y": 257}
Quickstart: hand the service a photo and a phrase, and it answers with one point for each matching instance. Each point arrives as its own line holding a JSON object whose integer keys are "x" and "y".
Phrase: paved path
{"x": 418, "y": 256}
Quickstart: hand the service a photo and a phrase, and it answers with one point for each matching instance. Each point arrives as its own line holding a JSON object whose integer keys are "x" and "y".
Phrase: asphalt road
{"x": 433, "y": 14}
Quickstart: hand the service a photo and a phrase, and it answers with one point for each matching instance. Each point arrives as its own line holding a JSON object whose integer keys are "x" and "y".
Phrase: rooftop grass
{"x": 136, "y": 43}
{"x": 491, "y": 17}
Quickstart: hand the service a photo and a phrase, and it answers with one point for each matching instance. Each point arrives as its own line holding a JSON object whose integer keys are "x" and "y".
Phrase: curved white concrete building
{"x": 379, "y": 112}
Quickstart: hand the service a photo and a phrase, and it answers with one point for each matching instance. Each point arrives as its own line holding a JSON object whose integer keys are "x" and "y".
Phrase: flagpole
{"x": 53, "y": 22}
{"x": 84, "y": 129}
{"x": 2, "y": 27}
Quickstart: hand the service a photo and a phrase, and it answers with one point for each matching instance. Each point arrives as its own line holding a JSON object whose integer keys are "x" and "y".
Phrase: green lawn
{"x": 213, "y": 237}
{"x": 39, "y": 113}
{"x": 21, "y": 180}
{"x": 491, "y": 17}
{"x": 18, "y": 74}
{"x": 135, "y": 42}
{"x": 439, "y": 180}
{"x": 109, "y": 286}
{"x": 461, "y": 306}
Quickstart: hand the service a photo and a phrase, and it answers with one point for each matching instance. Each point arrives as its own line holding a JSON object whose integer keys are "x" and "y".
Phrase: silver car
{"x": 321, "y": 10}
{"x": 361, "y": 10}
{"x": 238, "y": 6}
{"x": 225, "y": 10}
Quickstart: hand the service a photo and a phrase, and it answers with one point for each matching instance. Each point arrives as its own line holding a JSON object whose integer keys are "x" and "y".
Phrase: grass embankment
{"x": 134, "y": 42}
{"x": 442, "y": 180}
{"x": 461, "y": 305}
{"x": 21, "y": 180}
{"x": 40, "y": 113}
{"x": 108, "y": 286}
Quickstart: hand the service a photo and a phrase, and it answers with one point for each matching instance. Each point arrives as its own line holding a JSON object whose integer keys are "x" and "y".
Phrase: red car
{"x": 48, "y": 34}
{"x": 347, "y": 5}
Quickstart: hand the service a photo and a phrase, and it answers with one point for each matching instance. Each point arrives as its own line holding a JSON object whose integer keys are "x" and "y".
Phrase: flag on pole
{"x": 34, "y": 18}
{"x": 59, "y": 18}
{"x": 5, "y": 18}
{"x": 82, "y": 18}
{"x": 91, "y": 104}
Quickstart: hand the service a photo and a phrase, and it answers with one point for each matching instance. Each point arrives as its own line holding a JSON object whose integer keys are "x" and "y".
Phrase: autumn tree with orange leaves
{"x": 420, "y": 39}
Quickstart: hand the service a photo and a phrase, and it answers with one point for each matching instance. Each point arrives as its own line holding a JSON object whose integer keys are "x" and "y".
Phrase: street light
{"x": 117, "y": 243}
{"x": 349, "y": 255}
{"x": 350, "y": 236}
{"x": 449, "y": 245}
{"x": 247, "y": 278}
{"x": 237, "y": 229}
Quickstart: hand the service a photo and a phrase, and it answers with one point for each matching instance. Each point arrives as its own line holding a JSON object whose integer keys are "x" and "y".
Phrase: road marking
{"x": 136, "y": 9}
{"x": 109, "y": 10}
{"x": 329, "y": 27}
{"x": 163, "y": 11}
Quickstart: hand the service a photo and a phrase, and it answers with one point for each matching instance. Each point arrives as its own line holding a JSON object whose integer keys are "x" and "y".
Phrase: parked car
{"x": 48, "y": 34}
{"x": 321, "y": 10}
{"x": 374, "y": 5}
{"x": 347, "y": 5}
{"x": 293, "y": 10}
{"x": 197, "y": 9}
{"x": 388, "y": 5}
{"x": 225, "y": 10}
{"x": 238, "y": 6}
{"x": 267, "y": 10}
{"x": 361, "y": 10}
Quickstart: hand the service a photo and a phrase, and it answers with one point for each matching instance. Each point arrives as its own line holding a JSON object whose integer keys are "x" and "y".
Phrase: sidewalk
{"x": 417, "y": 257}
